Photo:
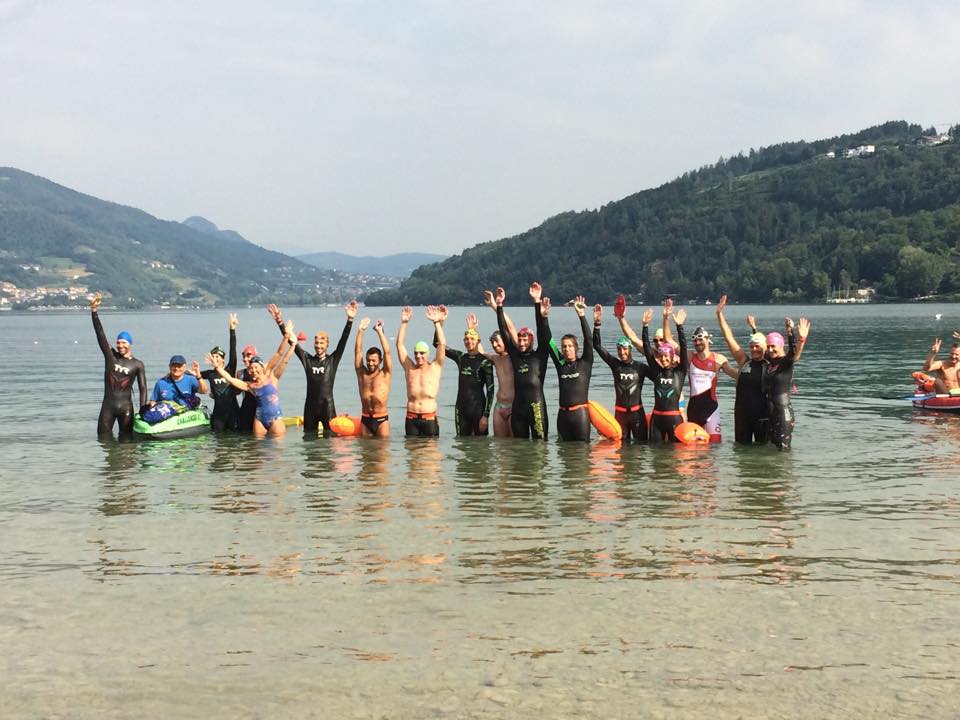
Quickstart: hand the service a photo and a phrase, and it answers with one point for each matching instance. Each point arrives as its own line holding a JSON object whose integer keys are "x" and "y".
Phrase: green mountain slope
{"x": 784, "y": 223}
{"x": 63, "y": 236}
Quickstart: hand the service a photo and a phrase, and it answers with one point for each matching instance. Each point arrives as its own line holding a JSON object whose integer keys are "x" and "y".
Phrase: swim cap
{"x": 774, "y": 338}
{"x": 178, "y": 360}
{"x": 624, "y": 341}
{"x": 471, "y": 332}
{"x": 758, "y": 339}
{"x": 218, "y": 351}
{"x": 665, "y": 349}
{"x": 701, "y": 333}
{"x": 658, "y": 335}
{"x": 301, "y": 336}
{"x": 124, "y": 335}
{"x": 256, "y": 359}
{"x": 525, "y": 331}
{"x": 249, "y": 350}
{"x": 421, "y": 347}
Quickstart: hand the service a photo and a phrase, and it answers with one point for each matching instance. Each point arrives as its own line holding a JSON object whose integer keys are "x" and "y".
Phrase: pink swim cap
{"x": 775, "y": 338}
{"x": 665, "y": 349}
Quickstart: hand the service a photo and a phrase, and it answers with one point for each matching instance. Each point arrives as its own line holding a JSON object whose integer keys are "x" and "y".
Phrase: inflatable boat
{"x": 188, "y": 424}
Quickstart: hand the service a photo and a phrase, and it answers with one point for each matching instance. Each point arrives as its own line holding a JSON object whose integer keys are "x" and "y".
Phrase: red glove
{"x": 620, "y": 306}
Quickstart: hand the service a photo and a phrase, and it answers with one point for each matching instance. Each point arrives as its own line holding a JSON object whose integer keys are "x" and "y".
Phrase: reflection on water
{"x": 480, "y": 576}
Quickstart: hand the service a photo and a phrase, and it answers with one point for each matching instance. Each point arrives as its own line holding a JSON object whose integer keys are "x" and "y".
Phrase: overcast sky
{"x": 381, "y": 127}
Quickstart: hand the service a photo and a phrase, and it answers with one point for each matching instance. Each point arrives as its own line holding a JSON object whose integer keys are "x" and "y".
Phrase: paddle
{"x": 908, "y": 397}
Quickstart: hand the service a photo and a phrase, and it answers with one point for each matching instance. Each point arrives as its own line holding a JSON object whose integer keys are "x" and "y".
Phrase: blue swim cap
{"x": 124, "y": 335}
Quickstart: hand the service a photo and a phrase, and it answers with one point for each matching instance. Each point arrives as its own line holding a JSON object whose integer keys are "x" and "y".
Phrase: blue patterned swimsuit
{"x": 268, "y": 404}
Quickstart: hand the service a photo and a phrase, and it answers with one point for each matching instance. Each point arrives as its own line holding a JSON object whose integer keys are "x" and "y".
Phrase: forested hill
{"x": 784, "y": 223}
{"x": 53, "y": 237}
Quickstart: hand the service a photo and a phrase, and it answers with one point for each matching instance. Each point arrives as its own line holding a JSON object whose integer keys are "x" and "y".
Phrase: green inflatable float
{"x": 187, "y": 424}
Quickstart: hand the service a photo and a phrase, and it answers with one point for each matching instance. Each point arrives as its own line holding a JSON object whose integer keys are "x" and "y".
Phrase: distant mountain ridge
{"x": 877, "y": 208}
{"x": 397, "y": 265}
{"x": 53, "y": 236}
{"x": 201, "y": 224}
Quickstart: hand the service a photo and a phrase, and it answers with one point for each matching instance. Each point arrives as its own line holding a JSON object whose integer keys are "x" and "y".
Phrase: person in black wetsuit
{"x": 321, "y": 372}
{"x": 225, "y": 413}
{"x": 750, "y": 405}
{"x": 248, "y": 401}
{"x": 778, "y": 381}
{"x": 529, "y": 416}
{"x": 475, "y": 384}
{"x": 628, "y": 377}
{"x": 120, "y": 368}
{"x": 573, "y": 374}
{"x": 668, "y": 378}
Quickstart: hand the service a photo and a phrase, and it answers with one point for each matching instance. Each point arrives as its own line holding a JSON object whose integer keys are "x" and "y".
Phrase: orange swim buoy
{"x": 604, "y": 421}
{"x": 345, "y": 425}
{"x": 690, "y": 433}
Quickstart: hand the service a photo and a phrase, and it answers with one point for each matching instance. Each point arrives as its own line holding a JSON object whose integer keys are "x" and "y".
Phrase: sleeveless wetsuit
{"x": 321, "y": 372}
{"x": 474, "y": 389}
{"x": 703, "y": 408}
{"x": 529, "y": 416}
{"x": 268, "y": 404}
{"x": 248, "y": 405}
{"x": 224, "y": 415}
{"x": 777, "y": 381}
{"x": 750, "y": 406}
{"x": 667, "y": 386}
{"x": 573, "y": 416}
{"x": 118, "y": 375}
{"x": 627, "y": 382}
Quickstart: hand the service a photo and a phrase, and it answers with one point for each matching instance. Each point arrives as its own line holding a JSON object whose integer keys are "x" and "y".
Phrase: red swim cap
{"x": 249, "y": 350}
{"x": 525, "y": 331}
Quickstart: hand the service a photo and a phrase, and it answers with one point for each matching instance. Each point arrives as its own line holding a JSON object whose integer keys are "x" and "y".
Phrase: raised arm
{"x": 221, "y": 371}
{"x": 232, "y": 362}
{"x": 678, "y": 318}
{"x": 385, "y": 346}
{"x": 278, "y": 363}
{"x": 277, "y": 316}
{"x": 405, "y": 314}
{"x": 98, "y": 327}
{"x": 803, "y": 329}
{"x": 434, "y": 315}
{"x": 667, "y": 313}
{"x": 738, "y": 354}
{"x": 358, "y": 345}
{"x": 580, "y": 307}
{"x": 597, "y": 344}
{"x": 932, "y": 363}
{"x": 351, "y": 310}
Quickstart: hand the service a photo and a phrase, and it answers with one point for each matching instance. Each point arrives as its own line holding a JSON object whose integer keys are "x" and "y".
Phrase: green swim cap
{"x": 421, "y": 347}
{"x": 624, "y": 341}
{"x": 759, "y": 339}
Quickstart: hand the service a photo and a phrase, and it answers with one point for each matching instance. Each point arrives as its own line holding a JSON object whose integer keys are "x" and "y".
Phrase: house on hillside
{"x": 931, "y": 140}
{"x": 860, "y": 151}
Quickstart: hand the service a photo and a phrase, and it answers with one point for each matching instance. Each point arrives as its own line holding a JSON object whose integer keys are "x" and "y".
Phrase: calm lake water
{"x": 228, "y": 577}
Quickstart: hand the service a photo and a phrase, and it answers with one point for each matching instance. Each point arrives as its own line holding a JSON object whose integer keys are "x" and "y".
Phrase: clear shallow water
{"x": 229, "y": 577}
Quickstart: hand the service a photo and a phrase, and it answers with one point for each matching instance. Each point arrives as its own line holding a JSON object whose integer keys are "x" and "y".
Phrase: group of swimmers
{"x": 518, "y": 361}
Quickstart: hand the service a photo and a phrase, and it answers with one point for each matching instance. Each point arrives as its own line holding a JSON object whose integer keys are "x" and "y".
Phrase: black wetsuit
{"x": 750, "y": 406}
{"x": 628, "y": 380}
{"x": 777, "y": 382}
{"x": 118, "y": 375}
{"x": 321, "y": 372}
{"x": 225, "y": 412}
{"x": 248, "y": 405}
{"x": 667, "y": 386}
{"x": 573, "y": 415}
{"x": 474, "y": 389}
{"x": 529, "y": 417}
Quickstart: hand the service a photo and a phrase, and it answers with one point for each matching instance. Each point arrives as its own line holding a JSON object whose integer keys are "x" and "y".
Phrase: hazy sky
{"x": 380, "y": 127}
